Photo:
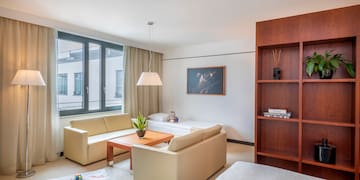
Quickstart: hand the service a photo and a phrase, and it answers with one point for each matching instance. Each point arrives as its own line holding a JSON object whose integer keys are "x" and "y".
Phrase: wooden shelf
{"x": 293, "y": 120}
{"x": 321, "y": 108}
{"x": 277, "y": 81}
{"x": 343, "y": 166}
{"x": 346, "y": 80}
{"x": 278, "y": 156}
{"x": 327, "y": 123}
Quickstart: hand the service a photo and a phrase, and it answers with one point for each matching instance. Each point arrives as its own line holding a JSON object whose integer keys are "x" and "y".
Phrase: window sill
{"x": 91, "y": 115}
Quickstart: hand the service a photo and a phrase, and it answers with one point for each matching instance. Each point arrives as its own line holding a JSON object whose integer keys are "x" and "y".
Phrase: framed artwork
{"x": 206, "y": 80}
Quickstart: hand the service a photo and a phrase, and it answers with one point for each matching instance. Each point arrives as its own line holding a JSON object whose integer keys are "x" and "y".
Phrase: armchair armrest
{"x": 75, "y": 144}
{"x": 153, "y": 163}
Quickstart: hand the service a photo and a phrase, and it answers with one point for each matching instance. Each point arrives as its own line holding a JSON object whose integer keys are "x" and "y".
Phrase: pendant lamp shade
{"x": 149, "y": 79}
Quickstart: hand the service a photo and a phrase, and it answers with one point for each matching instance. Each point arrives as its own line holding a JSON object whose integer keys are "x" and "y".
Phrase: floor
{"x": 64, "y": 167}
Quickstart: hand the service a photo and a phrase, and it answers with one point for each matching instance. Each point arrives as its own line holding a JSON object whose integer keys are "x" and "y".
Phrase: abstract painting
{"x": 206, "y": 80}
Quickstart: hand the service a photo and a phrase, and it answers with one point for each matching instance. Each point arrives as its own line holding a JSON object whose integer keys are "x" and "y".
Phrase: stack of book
{"x": 278, "y": 113}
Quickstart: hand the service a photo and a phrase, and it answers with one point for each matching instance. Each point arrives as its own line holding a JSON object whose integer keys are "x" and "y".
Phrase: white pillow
{"x": 159, "y": 117}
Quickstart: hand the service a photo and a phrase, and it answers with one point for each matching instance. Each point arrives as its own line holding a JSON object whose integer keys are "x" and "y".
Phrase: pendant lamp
{"x": 149, "y": 78}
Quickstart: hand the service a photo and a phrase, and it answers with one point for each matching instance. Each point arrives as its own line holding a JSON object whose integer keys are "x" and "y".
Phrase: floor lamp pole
{"x": 28, "y": 172}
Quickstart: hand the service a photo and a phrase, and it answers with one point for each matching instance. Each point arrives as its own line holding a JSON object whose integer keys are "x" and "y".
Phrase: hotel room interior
{"x": 179, "y": 90}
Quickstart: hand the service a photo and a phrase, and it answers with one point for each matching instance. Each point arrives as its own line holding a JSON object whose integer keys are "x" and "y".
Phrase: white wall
{"x": 236, "y": 109}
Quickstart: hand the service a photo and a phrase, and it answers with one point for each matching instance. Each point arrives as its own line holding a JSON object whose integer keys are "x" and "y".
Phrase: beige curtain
{"x": 26, "y": 46}
{"x": 144, "y": 99}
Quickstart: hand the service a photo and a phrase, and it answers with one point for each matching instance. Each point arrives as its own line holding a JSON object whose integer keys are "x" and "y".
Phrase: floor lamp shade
{"x": 149, "y": 79}
{"x": 28, "y": 77}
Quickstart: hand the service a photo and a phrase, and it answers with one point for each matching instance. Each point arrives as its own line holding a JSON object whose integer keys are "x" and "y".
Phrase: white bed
{"x": 241, "y": 170}
{"x": 181, "y": 128}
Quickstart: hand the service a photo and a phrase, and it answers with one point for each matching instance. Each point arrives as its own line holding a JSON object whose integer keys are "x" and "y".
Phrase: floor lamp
{"x": 27, "y": 78}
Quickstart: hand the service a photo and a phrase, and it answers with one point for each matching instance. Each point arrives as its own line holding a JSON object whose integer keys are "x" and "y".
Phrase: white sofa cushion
{"x": 110, "y": 135}
{"x": 181, "y": 142}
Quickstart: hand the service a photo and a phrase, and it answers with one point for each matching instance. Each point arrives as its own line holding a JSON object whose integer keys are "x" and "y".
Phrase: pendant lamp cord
{"x": 150, "y": 23}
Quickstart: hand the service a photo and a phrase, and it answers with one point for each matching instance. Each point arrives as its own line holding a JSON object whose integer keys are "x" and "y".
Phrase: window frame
{"x": 103, "y": 45}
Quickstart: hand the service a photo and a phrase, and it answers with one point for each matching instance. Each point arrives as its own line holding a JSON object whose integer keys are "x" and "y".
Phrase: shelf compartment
{"x": 284, "y": 164}
{"x": 294, "y": 120}
{"x": 329, "y": 123}
{"x": 272, "y": 140}
{"x": 289, "y": 61}
{"x": 331, "y": 102}
{"x": 326, "y": 173}
{"x": 284, "y": 96}
{"x": 343, "y": 166}
{"x": 344, "y": 46}
{"x": 342, "y": 137}
{"x": 277, "y": 81}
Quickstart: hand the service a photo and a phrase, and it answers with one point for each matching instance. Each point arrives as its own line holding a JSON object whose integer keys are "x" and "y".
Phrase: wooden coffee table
{"x": 126, "y": 142}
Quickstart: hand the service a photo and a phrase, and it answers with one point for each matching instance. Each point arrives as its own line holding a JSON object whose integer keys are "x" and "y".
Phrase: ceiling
{"x": 178, "y": 23}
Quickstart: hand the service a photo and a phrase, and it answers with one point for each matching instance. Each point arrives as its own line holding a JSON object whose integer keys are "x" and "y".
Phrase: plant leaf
{"x": 321, "y": 65}
{"x": 350, "y": 69}
{"x": 335, "y": 63}
{"x": 310, "y": 68}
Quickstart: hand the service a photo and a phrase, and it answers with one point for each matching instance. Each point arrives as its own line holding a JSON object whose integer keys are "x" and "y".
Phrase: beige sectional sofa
{"x": 85, "y": 140}
{"x": 194, "y": 156}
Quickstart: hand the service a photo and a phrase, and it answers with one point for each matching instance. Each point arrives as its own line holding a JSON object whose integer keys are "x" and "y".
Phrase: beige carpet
{"x": 64, "y": 167}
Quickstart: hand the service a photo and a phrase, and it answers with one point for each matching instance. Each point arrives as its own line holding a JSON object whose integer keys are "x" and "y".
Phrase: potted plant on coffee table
{"x": 140, "y": 124}
{"x": 327, "y": 64}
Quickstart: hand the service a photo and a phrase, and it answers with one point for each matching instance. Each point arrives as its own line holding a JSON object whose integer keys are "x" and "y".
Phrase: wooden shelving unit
{"x": 321, "y": 108}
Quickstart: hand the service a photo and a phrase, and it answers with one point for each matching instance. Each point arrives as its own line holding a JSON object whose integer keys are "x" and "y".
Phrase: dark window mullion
{"x": 103, "y": 55}
{"x": 86, "y": 78}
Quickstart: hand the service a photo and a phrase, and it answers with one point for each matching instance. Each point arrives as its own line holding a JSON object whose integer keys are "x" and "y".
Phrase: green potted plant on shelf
{"x": 327, "y": 64}
{"x": 140, "y": 124}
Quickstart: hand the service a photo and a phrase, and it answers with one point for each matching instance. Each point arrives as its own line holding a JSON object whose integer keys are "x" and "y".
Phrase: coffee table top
{"x": 151, "y": 138}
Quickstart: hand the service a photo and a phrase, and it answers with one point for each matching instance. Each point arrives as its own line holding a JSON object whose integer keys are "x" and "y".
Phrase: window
{"x": 92, "y": 71}
{"x": 119, "y": 84}
{"x": 62, "y": 84}
{"x": 78, "y": 83}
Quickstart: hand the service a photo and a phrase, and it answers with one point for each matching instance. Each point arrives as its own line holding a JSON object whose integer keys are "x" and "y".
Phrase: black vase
{"x": 328, "y": 73}
{"x": 325, "y": 152}
{"x": 141, "y": 133}
{"x": 276, "y": 73}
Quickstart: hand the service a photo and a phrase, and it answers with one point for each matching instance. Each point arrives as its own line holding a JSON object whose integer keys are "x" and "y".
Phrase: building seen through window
{"x": 62, "y": 84}
{"x": 78, "y": 84}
